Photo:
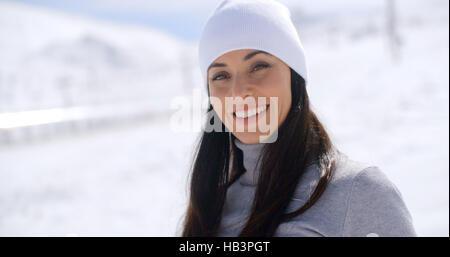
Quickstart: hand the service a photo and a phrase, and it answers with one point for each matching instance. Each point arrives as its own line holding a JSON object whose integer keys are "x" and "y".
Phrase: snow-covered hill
{"x": 51, "y": 59}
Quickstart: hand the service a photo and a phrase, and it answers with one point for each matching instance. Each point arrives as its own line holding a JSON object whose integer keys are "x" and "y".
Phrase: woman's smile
{"x": 249, "y": 116}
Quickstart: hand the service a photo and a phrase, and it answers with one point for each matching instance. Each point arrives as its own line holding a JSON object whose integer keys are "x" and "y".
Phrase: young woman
{"x": 293, "y": 182}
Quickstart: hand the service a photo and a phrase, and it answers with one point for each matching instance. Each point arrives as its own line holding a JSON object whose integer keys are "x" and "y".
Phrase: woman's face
{"x": 259, "y": 86}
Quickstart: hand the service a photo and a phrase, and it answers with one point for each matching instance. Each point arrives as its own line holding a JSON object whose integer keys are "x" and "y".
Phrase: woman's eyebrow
{"x": 250, "y": 55}
{"x": 247, "y": 57}
{"x": 216, "y": 64}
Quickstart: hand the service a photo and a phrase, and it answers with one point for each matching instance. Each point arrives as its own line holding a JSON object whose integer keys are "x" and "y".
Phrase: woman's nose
{"x": 241, "y": 87}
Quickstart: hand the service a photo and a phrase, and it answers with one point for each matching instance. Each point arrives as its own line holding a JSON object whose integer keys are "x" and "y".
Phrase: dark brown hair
{"x": 302, "y": 140}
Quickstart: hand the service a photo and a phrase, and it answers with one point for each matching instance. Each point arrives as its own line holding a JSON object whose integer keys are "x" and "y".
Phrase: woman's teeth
{"x": 250, "y": 113}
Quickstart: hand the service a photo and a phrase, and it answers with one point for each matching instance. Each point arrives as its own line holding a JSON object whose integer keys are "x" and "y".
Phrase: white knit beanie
{"x": 251, "y": 24}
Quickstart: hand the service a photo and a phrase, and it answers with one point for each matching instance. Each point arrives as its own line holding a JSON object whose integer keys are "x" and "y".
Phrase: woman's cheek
{"x": 218, "y": 106}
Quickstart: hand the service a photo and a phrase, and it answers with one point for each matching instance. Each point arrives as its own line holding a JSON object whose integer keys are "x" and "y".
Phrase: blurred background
{"x": 85, "y": 88}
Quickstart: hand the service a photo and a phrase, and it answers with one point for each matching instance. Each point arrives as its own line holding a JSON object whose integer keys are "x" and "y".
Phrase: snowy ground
{"x": 131, "y": 180}
{"x": 127, "y": 181}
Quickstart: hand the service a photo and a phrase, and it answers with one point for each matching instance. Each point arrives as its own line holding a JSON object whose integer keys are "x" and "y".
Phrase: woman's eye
{"x": 260, "y": 66}
{"x": 217, "y": 77}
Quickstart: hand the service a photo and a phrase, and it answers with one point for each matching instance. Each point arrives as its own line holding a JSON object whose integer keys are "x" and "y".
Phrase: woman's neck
{"x": 252, "y": 161}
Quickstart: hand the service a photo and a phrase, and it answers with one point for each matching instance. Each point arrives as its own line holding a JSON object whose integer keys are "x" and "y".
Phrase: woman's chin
{"x": 250, "y": 137}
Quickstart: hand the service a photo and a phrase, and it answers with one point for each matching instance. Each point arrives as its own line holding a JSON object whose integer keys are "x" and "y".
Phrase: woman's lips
{"x": 245, "y": 111}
